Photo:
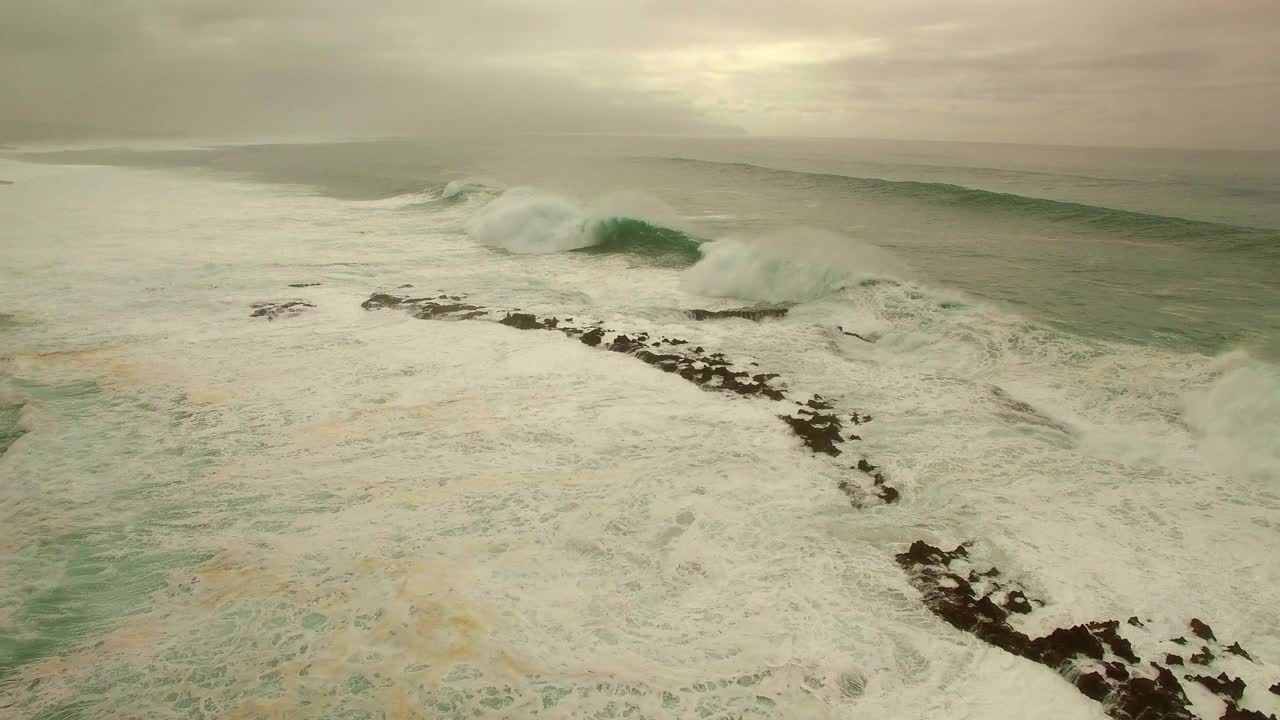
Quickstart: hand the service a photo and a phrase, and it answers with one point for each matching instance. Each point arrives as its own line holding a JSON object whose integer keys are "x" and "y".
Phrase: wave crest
{"x": 529, "y": 222}
{"x": 796, "y": 265}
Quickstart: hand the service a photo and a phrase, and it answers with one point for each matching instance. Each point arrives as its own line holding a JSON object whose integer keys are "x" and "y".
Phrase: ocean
{"x": 234, "y": 486}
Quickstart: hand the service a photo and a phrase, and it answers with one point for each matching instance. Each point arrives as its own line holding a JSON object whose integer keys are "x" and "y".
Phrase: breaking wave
{"x": 529, "y": 222}
{"x": 796, "y": 265}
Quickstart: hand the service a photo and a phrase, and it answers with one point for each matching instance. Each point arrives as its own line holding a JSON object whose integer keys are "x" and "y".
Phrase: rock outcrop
{"x": 273, "y": 310}
{"x": 814, "y": 419}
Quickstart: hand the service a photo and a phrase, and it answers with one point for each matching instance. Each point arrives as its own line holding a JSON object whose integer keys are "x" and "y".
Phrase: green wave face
{"x": 1124, "y": 222}
{"x": 644, "y": 239}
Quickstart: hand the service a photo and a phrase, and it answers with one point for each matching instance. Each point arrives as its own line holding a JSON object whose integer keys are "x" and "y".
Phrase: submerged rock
{"x": 863, "y": 338}
{"x": 302, "y": 285}
{"x": 441, "y": 307}
{"x": 756, "y": 313}
{"x": 273, "y": 310}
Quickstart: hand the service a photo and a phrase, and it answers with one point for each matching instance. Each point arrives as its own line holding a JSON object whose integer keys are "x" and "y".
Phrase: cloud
{"x": 1176, "y": 72}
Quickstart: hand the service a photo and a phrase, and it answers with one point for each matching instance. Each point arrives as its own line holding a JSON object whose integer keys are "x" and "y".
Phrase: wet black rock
{"x": 441, "y": 307}
{"x": 1275, "y": 688}
{"x": 1171, "y": 659}
{"x": 1223, "y": 685}
{"x": 1204, "y": 657}
{"x": 1179, "y": 640}
{"x": 756, "y": 313}
{"x": 1202, "y": 631}
{"x": 1017, "y": 602}
{"x": 428, "y": 310}
{"x": 378, "y": 301}
{"x": 273, "y": 310}
{"x": 523, "y": 321}
{"x": 888, "y": 494}
{"x": 820, "y": 433}
{"x": 1235, "y": 712}
{"x": 302, "y": 285}
{"x": 592, "y": 337}
{"x": 1134, "y": 621}
{"x": 1124, "y": 687}
{"x": 1148, "y": 699}
{"x": 1235, "y": 649}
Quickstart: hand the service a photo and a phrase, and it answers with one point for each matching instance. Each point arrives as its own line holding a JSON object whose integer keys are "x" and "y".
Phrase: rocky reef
{"x": 755, "y": 313}
{"x": 814, "y": 419}
{"x": 1096, "y": 657}
{"x": 273, "y": 310}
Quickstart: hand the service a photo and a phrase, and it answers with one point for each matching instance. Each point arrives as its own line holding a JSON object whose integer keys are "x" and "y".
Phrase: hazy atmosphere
{"x": 1181, "y": 73}
{"x": 652, "y": 360}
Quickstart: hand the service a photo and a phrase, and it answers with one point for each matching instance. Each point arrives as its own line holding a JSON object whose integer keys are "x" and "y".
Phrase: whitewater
{"x": 336, "y": 511}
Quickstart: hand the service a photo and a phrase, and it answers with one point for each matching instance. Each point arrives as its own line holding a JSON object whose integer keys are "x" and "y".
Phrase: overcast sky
{"x": 1202, "y": 73}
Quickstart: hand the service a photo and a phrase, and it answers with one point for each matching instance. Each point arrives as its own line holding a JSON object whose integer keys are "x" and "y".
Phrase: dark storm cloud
{"x": 1177, "y": 72}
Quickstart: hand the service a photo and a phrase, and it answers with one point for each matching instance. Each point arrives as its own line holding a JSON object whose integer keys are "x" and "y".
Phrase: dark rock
{"x": 888, "y": 494}
{"x": 302, "y": 285}
{"x": 1202, "y": 631}
{"x": 1116, "y": 671}
{"x": 432, "y": 311}
{"x": 1065, "y": 644}
{"x": 1094, "y": 686}
{"x": 756, "y": 313}
{"x": 521, "y": 321}
{"x": 1204, "y": 657}
{"x": 626, "y": 344}
{"x": 378, "y": 301}
{"x": 1134, "y": 621}
{"x": 1223, "y": 685}
{"x": 1275, "y": 689}
{"x": 406, "y": 285}
{"x": 1179, "y": 640}
{"x": 1235, "y": 649}
{"x": 1172, "y": 660}
{"x": 1148, "y": 699}
{"x": 821, "y": 433}
{"x": 273, "y": 310}
{"x": 1235, "y": 712}
{"x": 1017, "y": 602}
{"x": 592, "y": 337}
{"x": 1108, "y": 633}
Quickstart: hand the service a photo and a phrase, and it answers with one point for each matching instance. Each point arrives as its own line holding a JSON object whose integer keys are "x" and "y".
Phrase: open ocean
{"x": 1069, "y": 360}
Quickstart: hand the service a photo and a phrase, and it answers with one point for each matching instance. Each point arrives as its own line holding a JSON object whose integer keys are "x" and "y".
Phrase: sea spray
{"x": 795, "y": 265}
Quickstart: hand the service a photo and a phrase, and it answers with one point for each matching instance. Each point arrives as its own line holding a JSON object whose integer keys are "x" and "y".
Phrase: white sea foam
{"x": 796, "y": 265}
{"x": 353, "y": 512}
